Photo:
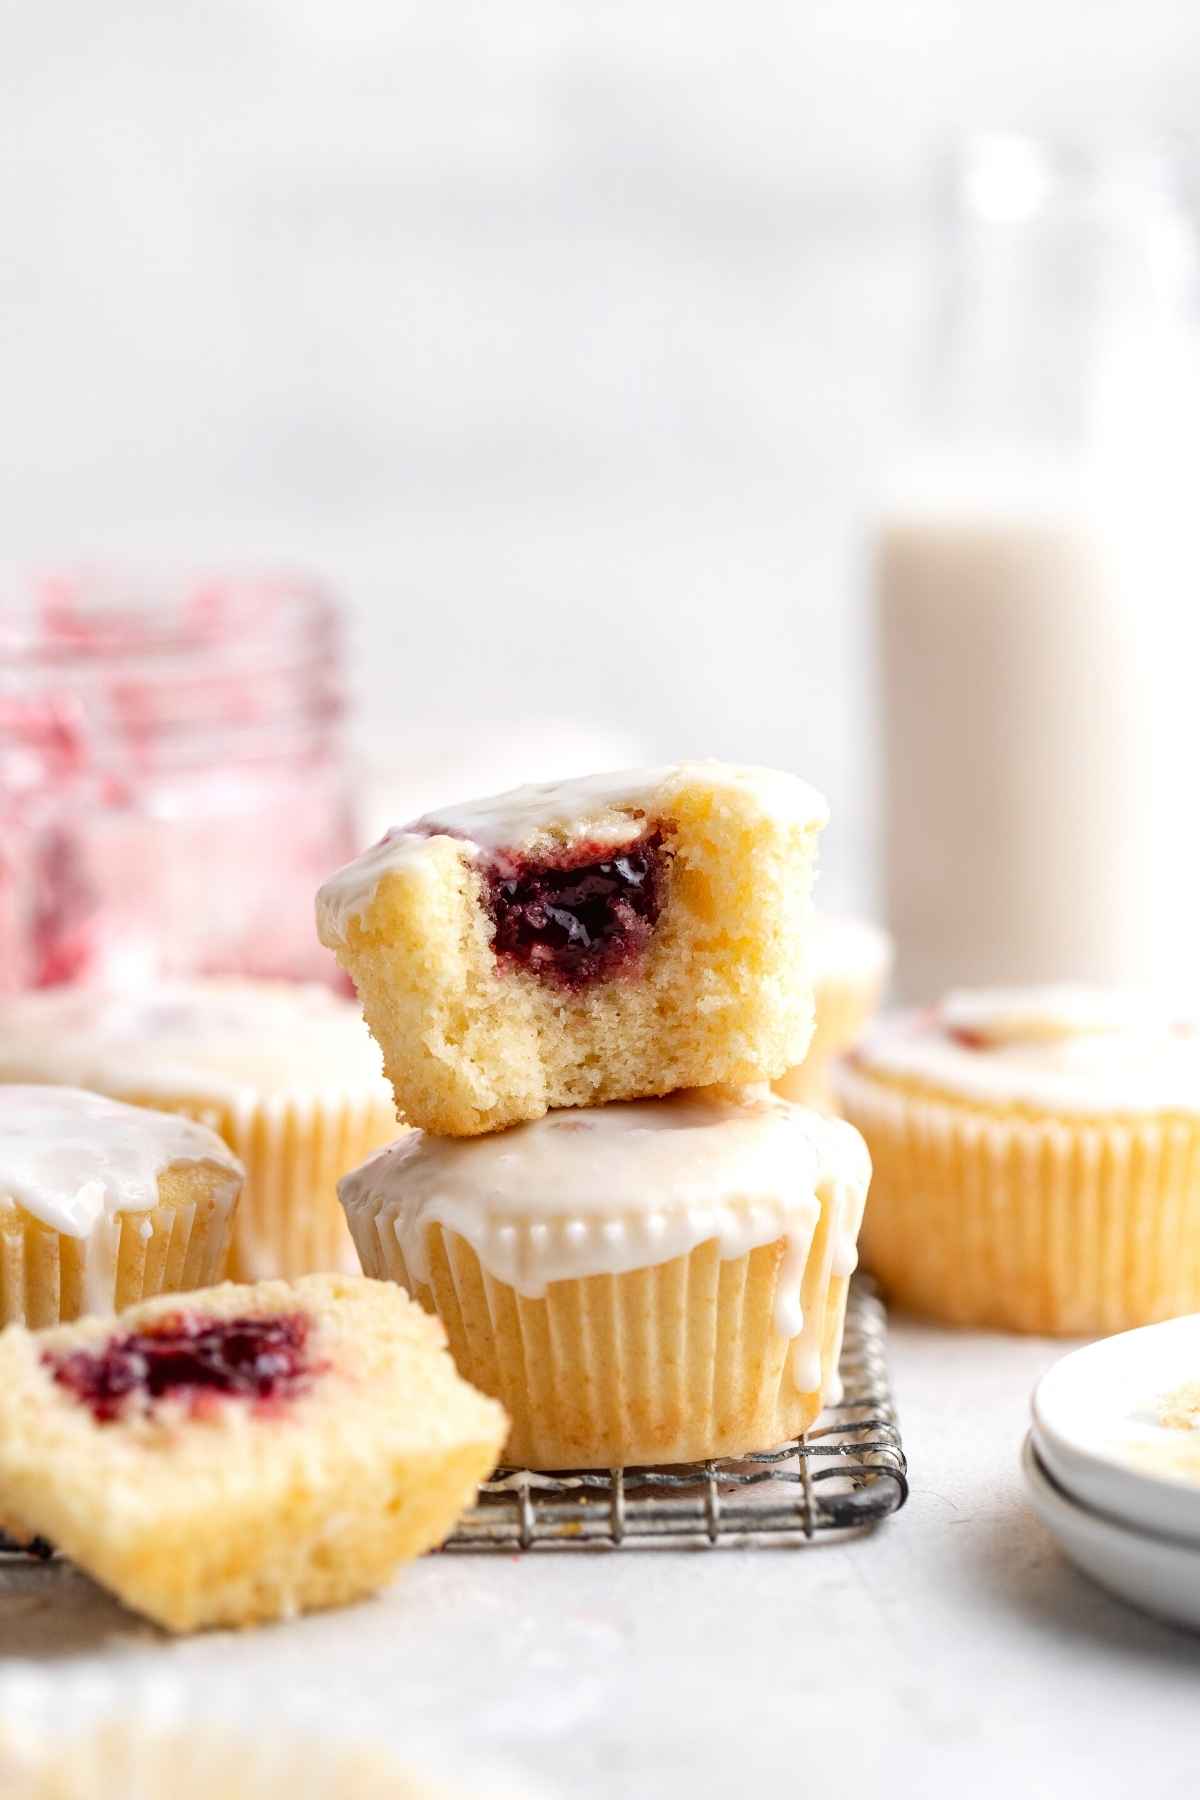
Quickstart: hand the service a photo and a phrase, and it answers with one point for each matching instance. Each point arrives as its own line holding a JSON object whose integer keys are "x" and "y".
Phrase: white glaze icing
{"x": 606, "y": 809}
{"x": 1068, "y": 1049}
{"x": 77, "y": 1161}
{"x": 605, "y": 1190}
{"x": 846, "y": 949}
{"x": 224, "y": 1039}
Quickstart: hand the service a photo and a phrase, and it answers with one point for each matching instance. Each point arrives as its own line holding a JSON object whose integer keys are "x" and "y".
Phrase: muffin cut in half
{"x": 654, "y": 1281}
{"x": 245, "y": 1453}
{"x": 594, "y": 940}
{"x": 102, "y": 1205}
{"x": 1037, "y": 1159}
{"x": 285, "y": 1071}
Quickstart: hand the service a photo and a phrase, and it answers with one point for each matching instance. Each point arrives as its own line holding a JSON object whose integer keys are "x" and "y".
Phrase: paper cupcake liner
{"x": 140, "y": 1738}
{"x": 294, "y": 1150}
{"x": 48, "y": 1277}
{"x": 843, "y": 1011}
{"x": 1027, "y": 1224}
{"x": 671, "y": 1363}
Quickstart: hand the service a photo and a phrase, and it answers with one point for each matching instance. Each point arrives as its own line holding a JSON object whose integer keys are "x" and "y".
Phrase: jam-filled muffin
{"x": 1037, "y": 1159}
{"x": 645, "y": 1282}
{"x": 102, "y": 1205}
{"x": 243, "y": 1453}
{"x": 851, "y": 960}
{"x": 286, "y": 1072}
{"x": 601, "y": 939}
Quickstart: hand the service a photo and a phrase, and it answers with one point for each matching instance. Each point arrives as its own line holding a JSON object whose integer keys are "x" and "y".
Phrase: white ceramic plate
{"x": 1157, "y": 1575}
{"x": 1096, "y": 1429}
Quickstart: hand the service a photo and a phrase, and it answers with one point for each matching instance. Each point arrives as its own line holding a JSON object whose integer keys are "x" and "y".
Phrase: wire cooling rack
{"x": 843, "y": 1476}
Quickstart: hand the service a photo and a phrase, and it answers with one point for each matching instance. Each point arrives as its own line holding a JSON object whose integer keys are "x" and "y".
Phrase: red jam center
{"x": 584, "y": 916}
{"x": 191, "y": 1357}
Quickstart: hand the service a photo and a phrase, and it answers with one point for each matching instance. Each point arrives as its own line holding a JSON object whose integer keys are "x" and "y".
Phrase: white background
{"x": 567, "y": 340}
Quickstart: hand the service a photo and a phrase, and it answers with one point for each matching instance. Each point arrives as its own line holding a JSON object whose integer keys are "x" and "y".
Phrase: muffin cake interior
{"x": 244, "y": 1452}
{"x": 584, "y": 942}
{"x": 581, "y": 915}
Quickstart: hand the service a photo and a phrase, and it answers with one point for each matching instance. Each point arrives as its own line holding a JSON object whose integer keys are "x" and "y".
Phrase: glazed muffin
{"x": 133, "y": 1761}
{"x": 285, "y": 1072}
{"x": 243, "y": 1454}
{"x": 602, "y": 939}
{"x": 851, "y": 960}
{"x": 102, "y": 1205}
{"x": 1037, "y": 1159}
{"x": 646, "y": 1282}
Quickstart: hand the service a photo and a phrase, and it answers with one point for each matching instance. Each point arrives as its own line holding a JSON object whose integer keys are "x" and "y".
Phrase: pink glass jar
{"x": 173, "y": 784}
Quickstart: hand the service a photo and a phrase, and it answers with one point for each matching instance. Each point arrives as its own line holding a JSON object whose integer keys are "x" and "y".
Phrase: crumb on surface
{"x": 1180, "y": 1409}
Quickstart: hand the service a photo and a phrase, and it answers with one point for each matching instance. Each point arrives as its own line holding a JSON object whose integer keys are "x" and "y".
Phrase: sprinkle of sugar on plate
{"x": 1180, "y": 1409}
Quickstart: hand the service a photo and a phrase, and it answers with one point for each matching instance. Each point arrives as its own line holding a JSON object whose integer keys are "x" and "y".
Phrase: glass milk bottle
{"x": 1037, "y": 578}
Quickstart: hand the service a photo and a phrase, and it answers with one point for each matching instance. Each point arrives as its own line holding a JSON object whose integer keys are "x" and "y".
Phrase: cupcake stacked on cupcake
{"x": 581, "y": 992}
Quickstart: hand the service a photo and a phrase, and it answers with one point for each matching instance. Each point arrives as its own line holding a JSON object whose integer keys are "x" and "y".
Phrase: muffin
{"x": 287, "y": 1073}
{"x": 651, "y": 1281}
{"x": 102, "y": 1205}
{"x": 136, "y": 1730}
{"x": 851, "y": 960}
{"x": 614, "y": 937}
{"x": 246, "y": 1454}
{"x": 1037, "y": 1159}
{"x": 132, "y": 1761}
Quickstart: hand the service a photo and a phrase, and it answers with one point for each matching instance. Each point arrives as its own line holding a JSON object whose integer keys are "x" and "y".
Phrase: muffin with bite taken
{"x": 573, "y": 943}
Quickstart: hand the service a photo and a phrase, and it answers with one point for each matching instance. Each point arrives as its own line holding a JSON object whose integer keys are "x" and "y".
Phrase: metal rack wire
{"x": 843, "y": 1476}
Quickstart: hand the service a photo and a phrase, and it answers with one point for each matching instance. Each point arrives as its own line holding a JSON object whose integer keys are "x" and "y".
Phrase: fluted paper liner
{"x": 844, "y": 1007}
{"x": 294, "y": 1150}
{"x": 1027, "y": 1223}
{"x": 48, "y": 1277}
{"x": 671, "y": 1363}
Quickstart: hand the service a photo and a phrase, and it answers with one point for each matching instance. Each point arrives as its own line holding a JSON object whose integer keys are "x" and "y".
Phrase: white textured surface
{"x": 952, "y": 1653}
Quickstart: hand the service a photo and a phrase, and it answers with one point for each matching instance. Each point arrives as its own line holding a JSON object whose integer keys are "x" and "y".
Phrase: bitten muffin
{"x": 652, "y": 1281}
{"x": 852, "y": 960}
{"x": 602, "y": 939}
{"x": 102, "y": 1205}
{"x": 1037, "y": 1159}
{"x": 285, "y": 1072}
{"x": 245, "y": 1454}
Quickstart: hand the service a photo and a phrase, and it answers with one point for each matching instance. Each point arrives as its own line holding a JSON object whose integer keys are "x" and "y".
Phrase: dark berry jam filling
{"x": 193, "y": 1358}
{"x": 582, "y": 916}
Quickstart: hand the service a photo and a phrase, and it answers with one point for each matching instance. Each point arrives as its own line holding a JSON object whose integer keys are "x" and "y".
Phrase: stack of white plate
{"x": 1117, "y": 1485}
